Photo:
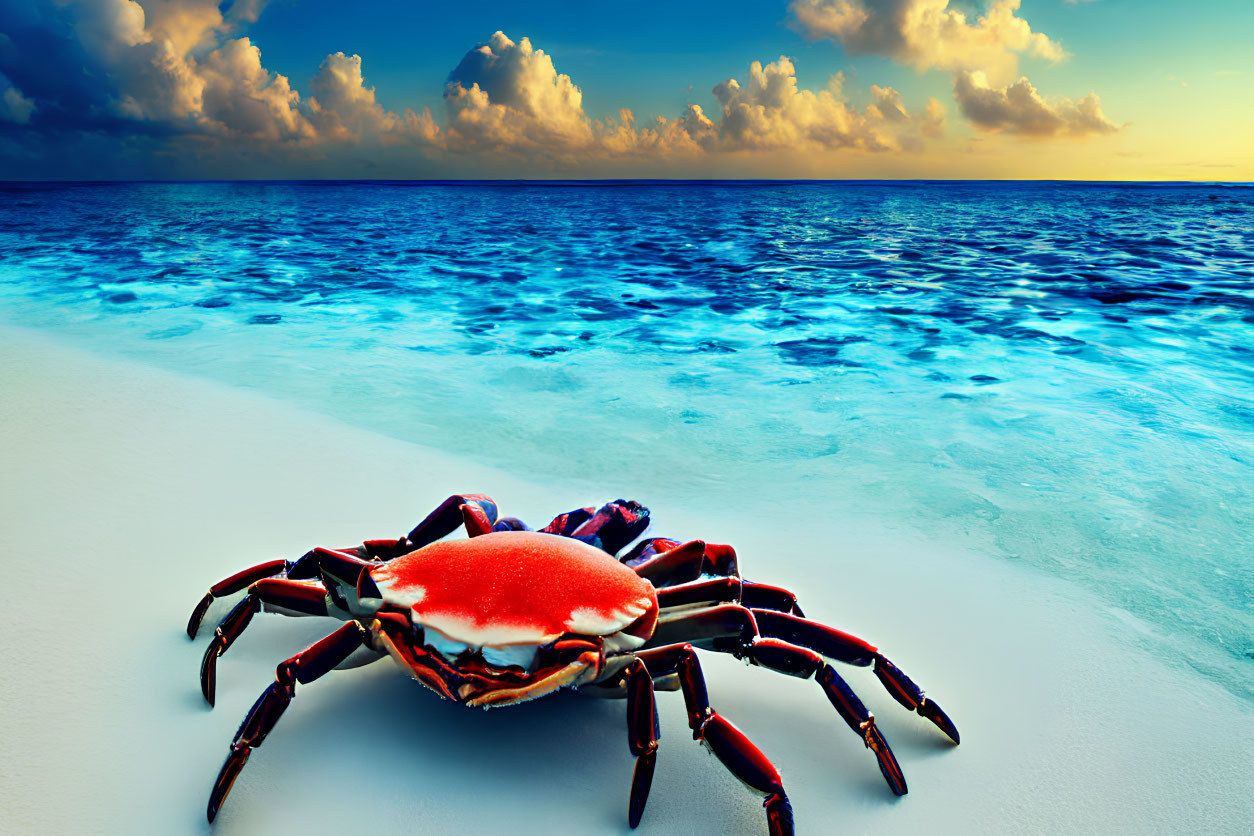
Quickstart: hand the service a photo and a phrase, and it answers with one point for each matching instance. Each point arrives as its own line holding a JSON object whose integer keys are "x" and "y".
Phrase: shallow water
{"x": 1063, "y": 374}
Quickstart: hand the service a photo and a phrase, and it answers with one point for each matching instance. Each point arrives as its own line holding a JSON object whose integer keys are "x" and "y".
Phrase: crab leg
{"x": 795, "y": 661}
{"x": 475, "y": 511}
{"x": 642, "y": 735}
{"x": 229, "y": 586}
{"x": 614, "y": 525}
{"x": 849, "y": 648}
{"x": 738, "y": 754}
{"x": 755, "y": 635}
{"x": 304, "y": 667}
{"x": 730, "y": 628}
{"x": 342, "y": 564}
{"x": 306, "y": 598}
{"x": 609, "y": 528}
{"x": 681, "y": 564}
{"x": 667, "y": 562}
{"x": 729, "y": 590}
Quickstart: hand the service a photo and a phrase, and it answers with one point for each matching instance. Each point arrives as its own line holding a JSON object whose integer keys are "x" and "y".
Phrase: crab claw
{"x": 933, "y": 712}
{"x": 903, "y": 689}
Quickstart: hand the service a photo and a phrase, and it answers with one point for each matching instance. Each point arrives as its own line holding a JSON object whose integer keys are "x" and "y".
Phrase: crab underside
{"x": 586, "y": 602}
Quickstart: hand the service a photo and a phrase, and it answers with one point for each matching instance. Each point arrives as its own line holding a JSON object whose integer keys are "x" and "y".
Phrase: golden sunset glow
{"x": 830, "y": 89}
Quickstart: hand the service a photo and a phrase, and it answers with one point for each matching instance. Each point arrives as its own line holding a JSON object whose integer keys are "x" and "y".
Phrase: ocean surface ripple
{"x": 1061, "y": 373}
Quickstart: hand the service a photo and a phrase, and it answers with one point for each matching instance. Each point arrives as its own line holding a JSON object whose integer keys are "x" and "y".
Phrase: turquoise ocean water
{"x": 1059, "y": 374}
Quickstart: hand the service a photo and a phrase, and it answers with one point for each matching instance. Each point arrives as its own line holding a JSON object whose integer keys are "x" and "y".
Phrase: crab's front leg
{"x": 304, "y": 667}
{"x": 315, "y": 564}
{"x": 229, "y": 586}
{"x": 306, "y": 598}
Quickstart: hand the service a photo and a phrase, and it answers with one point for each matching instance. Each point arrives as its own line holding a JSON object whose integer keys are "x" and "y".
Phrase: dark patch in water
{"x": 715, "y": 347}
{"x": 816, "y": 351}
{"x": 548, "y": 351}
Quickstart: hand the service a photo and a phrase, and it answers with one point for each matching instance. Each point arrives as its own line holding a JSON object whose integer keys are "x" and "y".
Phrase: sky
{"x": 410, "y": 89}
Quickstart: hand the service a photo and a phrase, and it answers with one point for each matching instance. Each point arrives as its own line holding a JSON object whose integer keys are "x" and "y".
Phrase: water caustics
{"x": 1062, "y": 373}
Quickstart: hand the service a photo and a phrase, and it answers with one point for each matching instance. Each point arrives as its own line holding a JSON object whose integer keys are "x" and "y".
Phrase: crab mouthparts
{"x": 500, "y": 659}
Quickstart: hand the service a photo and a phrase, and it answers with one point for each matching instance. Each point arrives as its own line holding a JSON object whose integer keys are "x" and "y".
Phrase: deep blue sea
{"x": 1061, "y": 374}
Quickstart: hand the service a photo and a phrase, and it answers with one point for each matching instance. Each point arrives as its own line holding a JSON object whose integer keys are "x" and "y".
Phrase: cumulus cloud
{"x": 770, "y": 111}
{"x": 1019, "y": 109}
{"x": 164, "y": 69}
{"x": 983, "y": 55}
{"x": 245, "y": 98}
{"x": 663, "y": 138}
{"x": 927, "y": 34}
{"x": 92, "y": 63}
{"x": 508, "y": 95}
{"x": 344, "y": 108}
{"x": 153, "y": 77}
{"x": 171, "y": 66}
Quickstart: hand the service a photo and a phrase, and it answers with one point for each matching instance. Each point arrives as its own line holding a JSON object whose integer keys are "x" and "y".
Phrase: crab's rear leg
{"x": 305, "y": 598}
{"x": 642, "y": 735}
{"x": 304, "y": 667}
{"x": 738, "y": 754}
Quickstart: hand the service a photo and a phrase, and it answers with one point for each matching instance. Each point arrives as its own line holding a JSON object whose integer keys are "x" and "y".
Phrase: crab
{"x": 510, "y": 614}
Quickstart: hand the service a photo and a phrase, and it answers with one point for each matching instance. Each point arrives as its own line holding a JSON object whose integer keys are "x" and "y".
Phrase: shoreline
{"x": 130, "y": 489}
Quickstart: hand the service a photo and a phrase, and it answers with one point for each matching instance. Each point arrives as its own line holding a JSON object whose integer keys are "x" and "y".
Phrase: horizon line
{"x": 623, "y": 181}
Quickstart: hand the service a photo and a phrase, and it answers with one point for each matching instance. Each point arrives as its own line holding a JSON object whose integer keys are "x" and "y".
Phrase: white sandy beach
{"x": 126, "y": 491}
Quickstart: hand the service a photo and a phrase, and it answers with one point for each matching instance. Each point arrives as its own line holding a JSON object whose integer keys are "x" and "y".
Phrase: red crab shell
{"x": 518, "y": 588}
